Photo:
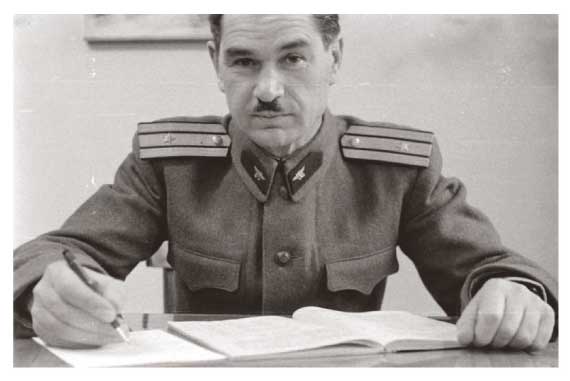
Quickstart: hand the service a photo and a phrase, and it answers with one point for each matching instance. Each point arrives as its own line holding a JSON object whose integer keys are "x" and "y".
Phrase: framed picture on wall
{"x": 137, "y": 27}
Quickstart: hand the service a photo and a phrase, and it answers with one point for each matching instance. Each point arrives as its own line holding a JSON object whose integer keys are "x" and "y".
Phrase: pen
{"x": 92, "y": 284}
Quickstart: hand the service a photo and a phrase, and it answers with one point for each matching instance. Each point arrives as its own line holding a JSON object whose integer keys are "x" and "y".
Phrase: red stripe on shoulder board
{"x": 166, "y": 152}
{"x": 389, "y": 132}
{"x": 208, "y": 128}
{"x": 389, "y": 157}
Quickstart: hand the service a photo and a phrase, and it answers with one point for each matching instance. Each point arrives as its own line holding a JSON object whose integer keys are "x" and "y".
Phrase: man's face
{"x": 275, "y": 72}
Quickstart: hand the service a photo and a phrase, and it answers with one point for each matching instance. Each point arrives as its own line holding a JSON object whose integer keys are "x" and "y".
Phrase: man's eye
{"x": 294, "y": 59}
{"x": 244, "y": 62}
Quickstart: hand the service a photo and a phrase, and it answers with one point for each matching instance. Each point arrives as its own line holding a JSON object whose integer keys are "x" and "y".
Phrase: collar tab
{"x": 256, "y": 171}
{"x": 303, "y": 171}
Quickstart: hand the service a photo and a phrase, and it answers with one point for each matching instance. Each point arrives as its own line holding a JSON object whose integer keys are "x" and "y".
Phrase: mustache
{"x": 272, "y": 106}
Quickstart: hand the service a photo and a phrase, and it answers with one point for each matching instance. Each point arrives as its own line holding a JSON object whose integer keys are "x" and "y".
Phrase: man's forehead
{"x": 247, "y": 31}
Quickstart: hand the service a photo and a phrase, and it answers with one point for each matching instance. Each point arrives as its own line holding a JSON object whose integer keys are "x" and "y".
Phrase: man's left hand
{"x": 505, "y": 314}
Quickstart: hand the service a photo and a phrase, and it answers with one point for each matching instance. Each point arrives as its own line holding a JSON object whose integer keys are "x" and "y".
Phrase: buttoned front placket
{"x": 287, "y": 192}
{"x": 290, "y": 262}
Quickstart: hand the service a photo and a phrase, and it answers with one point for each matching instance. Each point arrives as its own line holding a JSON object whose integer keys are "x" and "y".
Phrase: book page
{"x": 152, "y": 347}
{"x": 403, "y": 330}
{"x": 262, "y": 335}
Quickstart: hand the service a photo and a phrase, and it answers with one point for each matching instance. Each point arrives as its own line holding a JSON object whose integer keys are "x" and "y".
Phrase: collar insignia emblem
{"x": 300, "y": 175}
{"x": 258, "y": 175}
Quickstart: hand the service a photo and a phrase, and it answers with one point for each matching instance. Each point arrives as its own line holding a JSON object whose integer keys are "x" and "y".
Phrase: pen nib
{"x": 123, "y": 334}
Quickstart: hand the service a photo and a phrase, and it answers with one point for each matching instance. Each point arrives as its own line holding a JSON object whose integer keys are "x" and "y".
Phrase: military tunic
{"x": 251, "y": 233}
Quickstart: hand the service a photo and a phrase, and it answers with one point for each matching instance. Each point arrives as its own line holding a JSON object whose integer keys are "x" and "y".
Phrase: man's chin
{"x": 272, "y": 139}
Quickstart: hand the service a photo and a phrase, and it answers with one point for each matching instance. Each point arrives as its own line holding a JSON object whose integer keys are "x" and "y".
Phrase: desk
{"x": 29, "y": 354}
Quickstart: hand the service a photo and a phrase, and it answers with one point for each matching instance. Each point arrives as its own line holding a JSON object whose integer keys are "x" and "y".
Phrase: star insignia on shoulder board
{"x": 300, "y": 175}
{"x": 257, "y": 174}
{"x": 168, "y": 139}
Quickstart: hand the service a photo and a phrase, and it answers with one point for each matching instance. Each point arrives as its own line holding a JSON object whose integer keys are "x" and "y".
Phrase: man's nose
{"x": 269, "y": 85}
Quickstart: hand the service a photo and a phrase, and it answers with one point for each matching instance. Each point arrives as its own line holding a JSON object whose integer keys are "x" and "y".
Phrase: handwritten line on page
{"x": 152, "y": 347}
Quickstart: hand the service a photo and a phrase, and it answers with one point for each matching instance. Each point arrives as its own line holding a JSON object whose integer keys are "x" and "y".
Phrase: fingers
{"x": 489, "y": 317}
{"x": 526, "y": 332}
{"x": 466, "y": 324}
{"x": 506, "y": 314}
{"x": 545, "y": 328}
{"x": 66, "y": 312}
{"x": 73, "y": 291}
{"x": 111, "y": 289}
{"x": 57, "y": 333}
{"x": 510, "y": 323}
{"x": 482, "y": 317}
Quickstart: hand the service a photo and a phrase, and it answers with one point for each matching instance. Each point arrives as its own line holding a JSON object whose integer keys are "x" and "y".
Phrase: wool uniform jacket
{"x": 249, "y": 233}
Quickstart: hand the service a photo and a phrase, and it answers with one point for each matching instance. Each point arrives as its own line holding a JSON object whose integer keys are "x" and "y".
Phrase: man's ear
{"x": 336, "y": 49}
{"x": 214, "y": 56}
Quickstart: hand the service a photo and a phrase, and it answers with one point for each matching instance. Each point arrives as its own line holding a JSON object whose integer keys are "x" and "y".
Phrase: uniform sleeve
{"x": 117, "y": 227}
{"x": 453, "y": 245}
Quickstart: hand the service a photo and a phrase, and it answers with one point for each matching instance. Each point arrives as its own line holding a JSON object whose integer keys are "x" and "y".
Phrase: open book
{"x": 145, "y": 348}
{"x": 315, "y": 331}
{"x": 312, "y": 332}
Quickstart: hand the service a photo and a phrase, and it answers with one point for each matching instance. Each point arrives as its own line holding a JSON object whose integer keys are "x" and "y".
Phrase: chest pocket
{"x": 199, "y": 271}
{"x": 361, "y": 273}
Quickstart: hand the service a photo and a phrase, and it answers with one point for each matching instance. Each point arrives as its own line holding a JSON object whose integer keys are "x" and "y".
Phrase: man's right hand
{"x": 67, "y": 313}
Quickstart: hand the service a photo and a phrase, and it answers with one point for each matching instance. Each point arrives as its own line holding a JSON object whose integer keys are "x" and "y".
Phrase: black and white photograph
{"x": 285, "y": 190}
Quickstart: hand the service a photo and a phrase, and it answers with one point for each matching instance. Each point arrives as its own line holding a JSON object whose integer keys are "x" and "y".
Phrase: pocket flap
{"x": 200, "y": 271}
{"x": 361, "y": 273}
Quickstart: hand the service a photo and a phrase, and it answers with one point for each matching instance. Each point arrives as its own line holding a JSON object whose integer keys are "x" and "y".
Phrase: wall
{"x": 486, "y": 85}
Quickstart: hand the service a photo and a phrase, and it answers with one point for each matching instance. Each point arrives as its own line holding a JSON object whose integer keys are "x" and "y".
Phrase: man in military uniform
{"x": 281, "y": 205}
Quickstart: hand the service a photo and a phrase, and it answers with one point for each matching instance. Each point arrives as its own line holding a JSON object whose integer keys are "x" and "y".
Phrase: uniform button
{"x": 282, "y": 258}
{"x": 355, "y": 142}
{"x": 283, "y": 192}
{"x": 217, "y": 140}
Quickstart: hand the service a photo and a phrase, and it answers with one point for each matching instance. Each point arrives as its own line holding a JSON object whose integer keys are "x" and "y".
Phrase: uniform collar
{"x": 302, "y": 169}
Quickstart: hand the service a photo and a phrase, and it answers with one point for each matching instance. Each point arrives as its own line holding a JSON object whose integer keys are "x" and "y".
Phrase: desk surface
{"x": 29, "y": 354}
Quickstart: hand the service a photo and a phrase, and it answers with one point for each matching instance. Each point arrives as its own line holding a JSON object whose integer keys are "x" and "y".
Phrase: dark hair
{"x": 328, "y": 25}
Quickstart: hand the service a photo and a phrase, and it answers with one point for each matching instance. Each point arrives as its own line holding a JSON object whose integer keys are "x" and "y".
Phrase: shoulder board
{"x": 384, "y": 142}
{"x": 183, "y": 136}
